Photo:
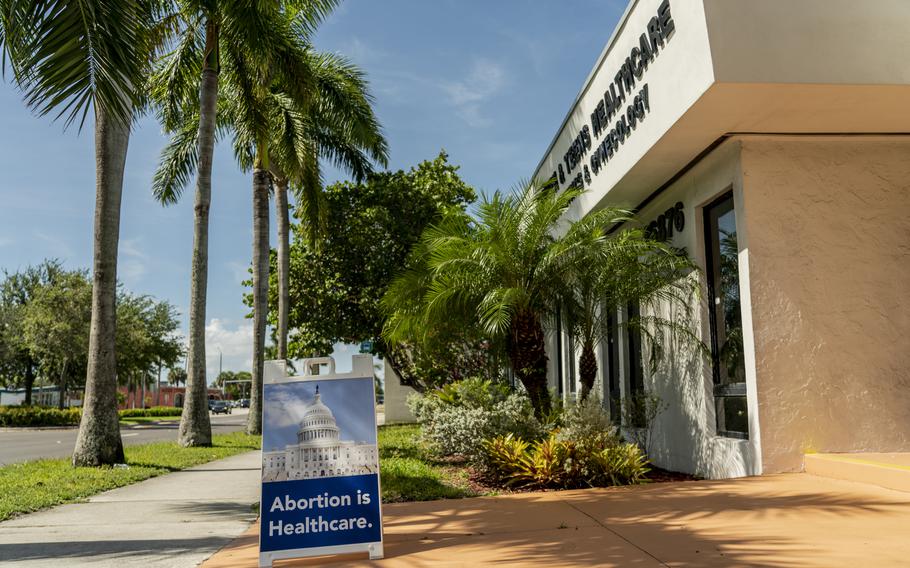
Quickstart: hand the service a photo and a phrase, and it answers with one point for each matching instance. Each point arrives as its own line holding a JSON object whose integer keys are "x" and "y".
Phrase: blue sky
{"x": 350, "y": 400}
{"x": 488, "y": 81}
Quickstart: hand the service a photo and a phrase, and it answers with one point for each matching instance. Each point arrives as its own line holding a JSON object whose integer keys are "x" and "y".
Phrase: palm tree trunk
{"x": 528, "y": 356}
{"x": 261, "y": 182}
{"x": 284, "y": 264}
{"x": 195, "y": 426}
{"x": 587, "y": 367}
{"x": 99, "y": 441}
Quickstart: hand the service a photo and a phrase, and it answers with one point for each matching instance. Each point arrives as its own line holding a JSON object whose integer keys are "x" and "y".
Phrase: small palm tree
{"x": 507, "y": 266}
{"x": 72, "y": 58}
{"x": 628, "y": 267}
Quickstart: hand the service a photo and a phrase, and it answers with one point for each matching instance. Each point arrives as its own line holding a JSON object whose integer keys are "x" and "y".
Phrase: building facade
{"x": 771, "y": 141}
{"x": 319, "y": 451}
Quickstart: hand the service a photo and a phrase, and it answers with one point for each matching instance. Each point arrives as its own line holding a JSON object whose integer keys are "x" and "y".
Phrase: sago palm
{"x": 507, "y": 266}
{"x": 71, "y": 58}
{"x": 247, "y": 38}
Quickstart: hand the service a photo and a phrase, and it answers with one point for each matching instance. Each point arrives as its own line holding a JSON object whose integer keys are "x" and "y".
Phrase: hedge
{"x": 25, "y": 416}
{"x": 153, "y": 411}
{"x": 39, "y": 416}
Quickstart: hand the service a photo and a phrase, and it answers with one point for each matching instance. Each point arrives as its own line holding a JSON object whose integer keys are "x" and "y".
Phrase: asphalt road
{"x": 18, "y": 445}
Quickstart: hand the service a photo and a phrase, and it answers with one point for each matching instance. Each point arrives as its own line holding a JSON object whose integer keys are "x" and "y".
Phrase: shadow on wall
{"x": 683, "y": 436}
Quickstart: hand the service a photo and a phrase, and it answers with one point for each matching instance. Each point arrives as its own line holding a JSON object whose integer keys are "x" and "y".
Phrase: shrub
{"x": 38, "y": 416}
{"x": 460, "y": 430}
{"x": 458, "y": 417}
{"x": 553, "y": 463}
{"x": 588, "y": 423}
{"x": 153, "y": 411}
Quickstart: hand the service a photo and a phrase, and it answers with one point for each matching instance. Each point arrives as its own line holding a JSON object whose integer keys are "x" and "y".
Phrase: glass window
{"x": 572, "y": 371}
{"x": 636, "y": 371}
{"x": 559, "y": 385}
{"x": 729, "y": 367}
{"x": 612, "y": 371}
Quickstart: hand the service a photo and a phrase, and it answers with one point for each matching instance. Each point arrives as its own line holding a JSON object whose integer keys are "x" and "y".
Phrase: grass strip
{"x": 32, "y": 486}
{"x": 132, "y": 421}
{"x": 409, "y": 472}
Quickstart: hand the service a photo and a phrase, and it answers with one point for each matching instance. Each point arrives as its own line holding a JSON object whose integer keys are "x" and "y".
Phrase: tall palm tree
{"x": 280, "y": 135}
{"x": 507, "y": 266}
{"x": 246, "y": 37}
{"x": 339, "y": 125}
{"x": 628, "y": 267}
{"x": 72, "y": 58}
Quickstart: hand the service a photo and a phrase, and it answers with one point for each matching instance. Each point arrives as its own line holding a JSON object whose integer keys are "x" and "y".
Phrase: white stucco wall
{"x": 829, "y": 225}
{"x": 396, "y": 399}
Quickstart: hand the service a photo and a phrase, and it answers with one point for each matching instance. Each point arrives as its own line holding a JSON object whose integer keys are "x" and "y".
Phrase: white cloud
{"x": 134, "y": 262}
{"x": 232, "y": 342}
{"x": 240, "y": 270}
{"x": 59, "y": 248}
{"x": 484, "y": 80}
{"x": 286, "y": 408}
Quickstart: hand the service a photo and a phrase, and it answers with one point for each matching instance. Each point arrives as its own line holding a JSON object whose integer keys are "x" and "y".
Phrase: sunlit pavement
{"x": 786, "y": 520}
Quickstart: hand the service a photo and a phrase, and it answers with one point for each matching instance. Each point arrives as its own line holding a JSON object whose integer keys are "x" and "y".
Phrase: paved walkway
{"x": 793, "y": 520}
{"x": 172, "y": 521}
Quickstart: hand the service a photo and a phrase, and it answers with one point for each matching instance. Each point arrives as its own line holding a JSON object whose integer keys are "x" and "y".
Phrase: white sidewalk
{"x": 173, "y": 521}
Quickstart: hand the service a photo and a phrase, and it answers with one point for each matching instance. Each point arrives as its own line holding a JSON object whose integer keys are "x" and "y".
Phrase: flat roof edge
{"x": 620, "y": 25}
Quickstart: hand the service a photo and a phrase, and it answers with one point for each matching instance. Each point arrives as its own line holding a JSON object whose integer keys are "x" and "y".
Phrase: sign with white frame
{"x": 320, "y": 463}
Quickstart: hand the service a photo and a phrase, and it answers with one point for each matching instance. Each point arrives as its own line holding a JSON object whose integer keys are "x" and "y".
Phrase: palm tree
{"x": 338, "y": 125}
{"x": 280, "y": 133}
{"x": 508, "y": 266}
{"x": 70, "y": 58}
{"x": 248, "y": 38}
{"x": 628, "y": 267}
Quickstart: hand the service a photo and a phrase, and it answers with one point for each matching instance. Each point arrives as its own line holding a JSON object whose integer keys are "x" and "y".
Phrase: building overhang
{"x": 728, "y": 67}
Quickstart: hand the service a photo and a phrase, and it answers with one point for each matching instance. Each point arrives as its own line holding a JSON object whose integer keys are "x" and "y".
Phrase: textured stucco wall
{"x": 396, "y": 399}
{"x": 829, "y": 260}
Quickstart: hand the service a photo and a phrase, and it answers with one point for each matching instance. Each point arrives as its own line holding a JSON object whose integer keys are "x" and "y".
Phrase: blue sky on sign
{"x": 350, "y": 400}
{"x": 490, "y": 82}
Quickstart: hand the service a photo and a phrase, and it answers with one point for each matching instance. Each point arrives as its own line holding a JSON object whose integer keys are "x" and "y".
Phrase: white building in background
{"x": 319, "y": 451}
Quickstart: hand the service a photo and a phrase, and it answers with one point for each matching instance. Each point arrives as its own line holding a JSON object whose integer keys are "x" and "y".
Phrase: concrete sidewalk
{"x": 172, "y": 521}
{"x": 791, "y": 520}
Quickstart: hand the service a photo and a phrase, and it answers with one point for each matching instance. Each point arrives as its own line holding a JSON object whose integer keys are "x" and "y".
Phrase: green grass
{"x": 132, "y": 421}
{"x": 31, "y": 486}
{"x": 409, "y": 472}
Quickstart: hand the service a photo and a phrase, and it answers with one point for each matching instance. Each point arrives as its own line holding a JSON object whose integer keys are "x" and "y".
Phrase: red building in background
{"x": 164, "y": 396}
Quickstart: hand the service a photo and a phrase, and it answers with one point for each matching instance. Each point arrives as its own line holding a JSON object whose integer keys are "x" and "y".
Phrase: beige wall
{"x": 828, "y": 221}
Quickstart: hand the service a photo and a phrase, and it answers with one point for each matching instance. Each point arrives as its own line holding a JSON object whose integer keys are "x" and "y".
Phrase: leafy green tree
{"x": 235, "y": 390}
{"x": 336, "y": 283}
{"x": 17, "y": 363}
{"x": 507, "y": 267}
{"x": 56, "y": 328}
{"x": 243, "y": 39}
{"x": 177, "y": 376}
{"x": 146, "y": 338}
{"x": 70, "y": 58}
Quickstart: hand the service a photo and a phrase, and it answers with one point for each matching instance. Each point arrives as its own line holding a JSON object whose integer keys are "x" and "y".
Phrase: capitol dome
{"x": 318, "y": 426}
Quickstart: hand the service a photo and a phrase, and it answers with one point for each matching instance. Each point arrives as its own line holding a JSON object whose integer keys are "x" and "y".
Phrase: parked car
{"x": 244, "y": 403}
{"x": 219, "y": 407}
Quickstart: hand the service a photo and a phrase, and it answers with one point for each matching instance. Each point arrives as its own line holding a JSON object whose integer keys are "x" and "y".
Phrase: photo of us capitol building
{"x": 319, "y": 451}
